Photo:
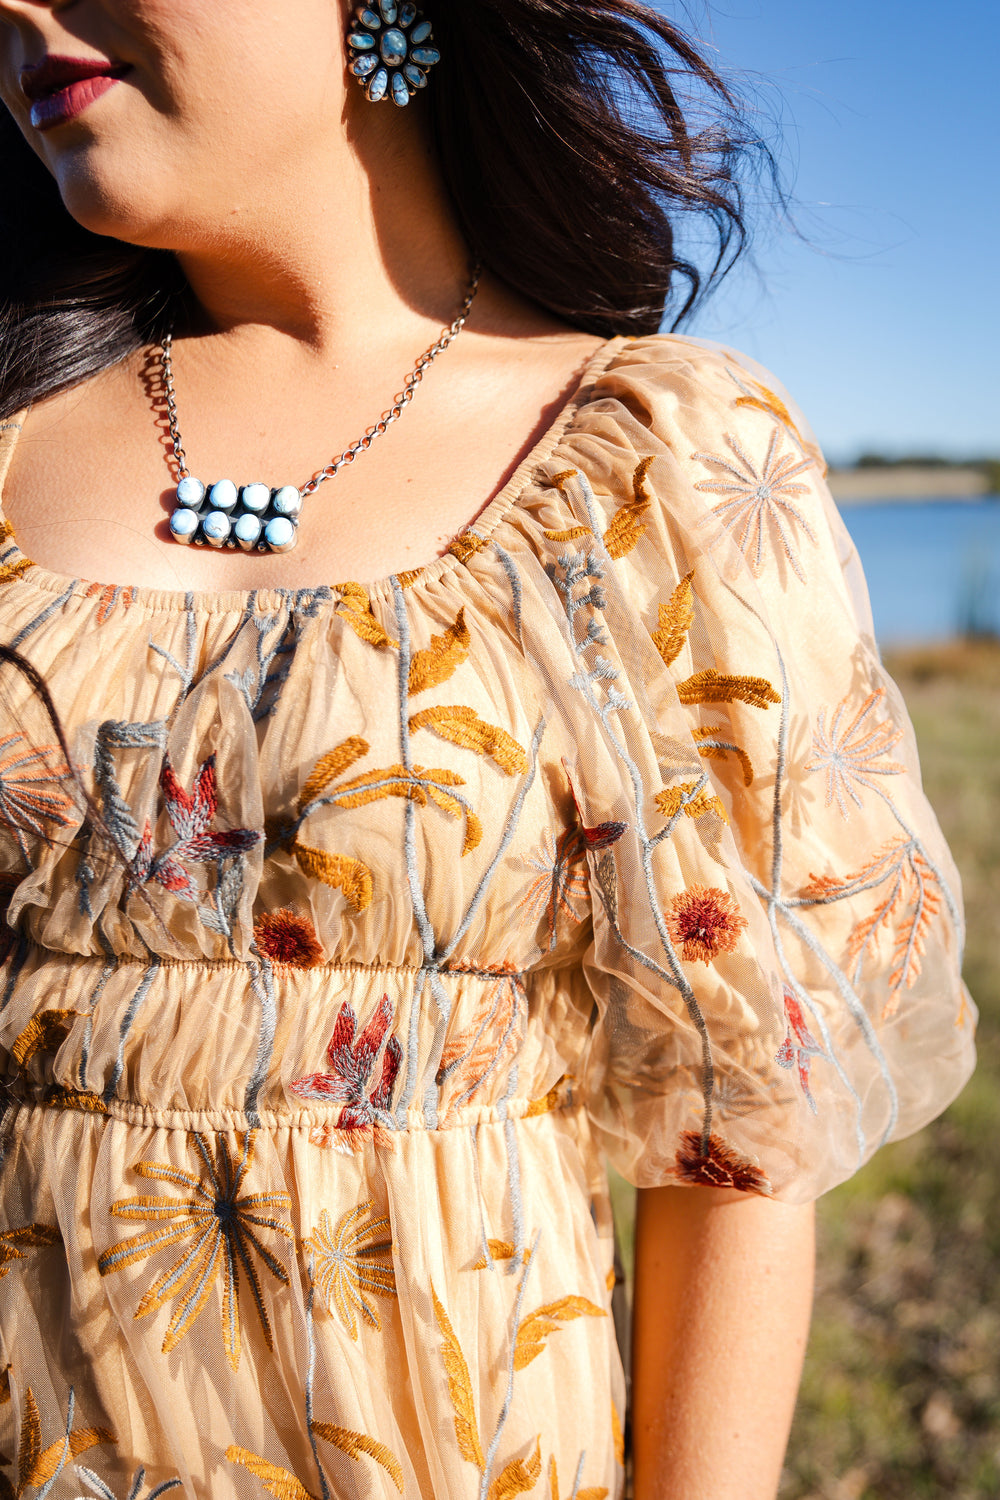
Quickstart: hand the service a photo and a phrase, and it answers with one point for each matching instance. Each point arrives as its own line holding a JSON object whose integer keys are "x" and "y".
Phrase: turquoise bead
{"x": 378, "y": 85}
{"x": 425, "y": 56}
{"x": 393, "y": 47}
{"x": 420, "y": 33}
{"x": 190, "y": 491}
{"x": 413, "y": 75}
{"x": 287, "y": 501}
{"x": 280, "y": 534}
{"x": 407, "y": 15}
{"x": 255, "y": 497}
{"x": 362, "y": 66}
{"x": 388, "y": 9}
{"x": 361, "y": 41}
{"x": 223, "y": 495}
{"x": 216, "y": 527}
{"x": 248, "y": 529}
{"x": 183, "y": 524}
{"x": 370, "y": 19}
{"x": 400, "y": 90}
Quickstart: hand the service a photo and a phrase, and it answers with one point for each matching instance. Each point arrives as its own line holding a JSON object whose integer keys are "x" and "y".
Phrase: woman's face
{"x": 162, "y": 119}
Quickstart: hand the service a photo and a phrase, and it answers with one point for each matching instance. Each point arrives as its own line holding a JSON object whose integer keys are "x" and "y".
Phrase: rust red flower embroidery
{"x": 352, "y": 1061}
{"x": 704, "y": 922}
{"x": 799, "y": 1047}
{"x": 286, "y": 937}
{"x": 190, "y": 813}
{"x": 714, "y": 1164}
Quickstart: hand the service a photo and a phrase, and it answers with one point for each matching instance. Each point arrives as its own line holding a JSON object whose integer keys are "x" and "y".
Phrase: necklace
{"x": 254, "y": 516}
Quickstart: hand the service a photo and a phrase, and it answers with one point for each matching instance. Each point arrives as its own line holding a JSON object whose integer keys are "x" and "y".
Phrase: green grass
{"x": 901, "y": 1392}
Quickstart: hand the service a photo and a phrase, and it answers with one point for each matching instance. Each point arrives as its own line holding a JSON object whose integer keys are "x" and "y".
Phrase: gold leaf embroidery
{"x": 467, "y": 545}
{"x": 463, "y": 727}
{"x": 16, "y": 569}
{"x": 519, "y": 1476}
{"x": 711, "y": 686}
{"x": 348, "y": 1267}
{"x": 408, "y": 579}
{"x": 437, "y": 662}
{"x": 720, "y": 751}
{"x": 356, "y": 1443}
{"x": 32, "y": 1235}
{"x": 452, "y": 806}
{"x": 49, "y": 1463}
{"x": 537, "y": 1326}
{"x": 30, "y": 1445}
{"x": 81, "y": 1099}
{"x": 676, "y": 619}
{"x": 499, "y": 1250}
{"x": 611, "y": 1280}
{"x": 558, "y": 480}
{"x": 45, "y": 1032}
{"x": 678, "y": 798}
{"x": 771, "y": 403}
{"x": 348, "y": 875}
{"x": 277, "y": 1482}
{"x": 460, "y": 1390}
{"x": 359, "y": 615}
{"x": 618, "y": 1437}
{"x": 4, "y": 1386}
{"x": 6, "y": 531}
{"x": 332, "y": 765}
{"x": 628, "y": 525}
{"x": 572, "y": 535}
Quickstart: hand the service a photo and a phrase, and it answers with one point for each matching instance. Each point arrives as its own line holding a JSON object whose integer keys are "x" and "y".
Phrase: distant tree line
{"x": 988, "y": 466}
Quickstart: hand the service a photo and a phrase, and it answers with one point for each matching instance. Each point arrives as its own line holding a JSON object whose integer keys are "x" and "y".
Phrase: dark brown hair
{"x": 568, "y": 140}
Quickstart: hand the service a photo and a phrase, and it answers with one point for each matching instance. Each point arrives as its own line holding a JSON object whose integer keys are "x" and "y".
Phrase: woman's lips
{"x": 61, "y": 88}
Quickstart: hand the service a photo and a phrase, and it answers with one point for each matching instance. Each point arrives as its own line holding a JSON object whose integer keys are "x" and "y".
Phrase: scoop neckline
{"x": 238, "y": 601}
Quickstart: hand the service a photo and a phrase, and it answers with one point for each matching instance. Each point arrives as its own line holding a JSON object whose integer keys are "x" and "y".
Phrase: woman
{"x": 353, "y": 922}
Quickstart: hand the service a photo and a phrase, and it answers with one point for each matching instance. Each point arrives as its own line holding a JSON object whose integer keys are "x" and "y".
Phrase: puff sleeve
{"x": 777, "y": 920}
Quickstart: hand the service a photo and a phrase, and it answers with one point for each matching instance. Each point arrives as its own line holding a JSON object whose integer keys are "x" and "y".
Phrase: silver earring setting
{"x": 391, "y": 50}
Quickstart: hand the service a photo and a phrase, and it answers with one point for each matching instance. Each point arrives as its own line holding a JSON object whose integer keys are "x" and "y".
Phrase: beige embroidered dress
{"x": 408, "y": 902}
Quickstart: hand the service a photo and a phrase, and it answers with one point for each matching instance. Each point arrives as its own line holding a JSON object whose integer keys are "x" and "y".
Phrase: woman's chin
{"x": 113, "y": 204}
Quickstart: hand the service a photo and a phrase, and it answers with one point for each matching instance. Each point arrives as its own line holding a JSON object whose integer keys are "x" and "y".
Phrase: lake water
{"x": 933, "y": 567}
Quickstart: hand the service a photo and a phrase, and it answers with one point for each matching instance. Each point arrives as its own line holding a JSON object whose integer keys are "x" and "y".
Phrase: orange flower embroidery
{"x": 288, "y": 938}
{"x": 704, "y": 922}
{"x": 110, "y": 594}
{"x": 717, "y": 1165}
{"x": 29, "y": 789}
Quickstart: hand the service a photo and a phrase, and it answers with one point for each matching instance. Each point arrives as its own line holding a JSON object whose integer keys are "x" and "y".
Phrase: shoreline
{"x": 907, "y": 482}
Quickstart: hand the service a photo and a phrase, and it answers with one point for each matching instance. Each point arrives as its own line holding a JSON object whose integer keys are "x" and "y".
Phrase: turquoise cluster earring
{"x": 391, "y": 51}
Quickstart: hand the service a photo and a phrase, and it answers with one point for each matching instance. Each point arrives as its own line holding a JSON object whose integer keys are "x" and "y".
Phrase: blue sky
{"x": 885, "y": 327}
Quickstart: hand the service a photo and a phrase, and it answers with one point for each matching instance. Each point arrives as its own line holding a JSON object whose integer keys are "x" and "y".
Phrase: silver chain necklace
{"x": 256, "y": 517}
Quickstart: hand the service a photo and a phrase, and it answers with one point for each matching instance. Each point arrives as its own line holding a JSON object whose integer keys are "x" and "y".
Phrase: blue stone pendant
{"x": 252, "y": 517}
{"x": 390, "y": 50}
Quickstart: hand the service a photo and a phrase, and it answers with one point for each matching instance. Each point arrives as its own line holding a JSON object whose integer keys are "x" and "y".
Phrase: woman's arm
{"x": 723, "y": 1294}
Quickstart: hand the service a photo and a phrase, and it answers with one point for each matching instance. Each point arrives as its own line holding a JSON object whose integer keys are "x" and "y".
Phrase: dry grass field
{"x": 901, "y": 1395}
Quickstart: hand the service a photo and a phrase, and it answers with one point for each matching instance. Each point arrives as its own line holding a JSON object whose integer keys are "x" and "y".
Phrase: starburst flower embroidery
{"x": 190, "y": 814}
{"x": 851, "y": 754}
{"x": 760, "y": 502}
{"x": 704, "y": 922}
{"x": 352, "y": 1264}
{"x": 799, "y": 1047}
{"x": 286, "y": 937}
{"x": 222, "y": 1223}
{"x": 560, "y": 888}
{"x": 29, "y": 790}
{"x": 352, "y": 1060}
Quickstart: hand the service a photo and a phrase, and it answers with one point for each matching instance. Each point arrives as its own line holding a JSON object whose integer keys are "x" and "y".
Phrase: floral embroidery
{"x": 854, "y": 752}
{"x": 910, "y": 897}
{"x": 761, "y": 500}
{"x": 704, "y": 922}
{"x": 222, "y": 1222}
{"x": 38, "y": 1467}
{"x": 97, "y": 1486}
{"x": 30, "y": 1236}
{"x": 190, "y": 814}
{"x": 29, "y": 790}
{"x": 351, "y": 1264}
{"x": 711, "y": 1163}
{"x": 289, "y": 938}
{"x": 533, "y": 1330}
{"x": 352, "y": 1063}
{"x": 799, "y": 1047}
{"x": 561, "y": 886}
{"x": 629, "y": 523}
